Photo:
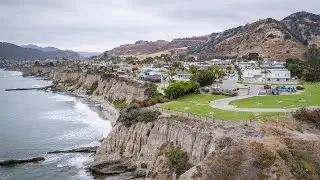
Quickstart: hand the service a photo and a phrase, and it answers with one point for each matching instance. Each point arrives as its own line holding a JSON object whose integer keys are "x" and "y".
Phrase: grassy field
{"x": 198, "y": 104}
{"x": 309, "y": 97}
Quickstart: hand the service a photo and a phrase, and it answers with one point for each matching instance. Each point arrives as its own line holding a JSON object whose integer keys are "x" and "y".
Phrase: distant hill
{"x": 288, "y": 38}
{"x": 88, "y": 54}
{"x": 13, "y": 52}
{"x": 149, "y": 47}
{"x": 51, "y": 49}
{"x": 44, "y": 49}
{"x": 270, "y": 38}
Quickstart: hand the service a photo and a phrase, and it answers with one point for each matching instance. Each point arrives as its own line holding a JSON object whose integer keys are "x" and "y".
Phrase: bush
{"x": 119, "y": 104}
{"x": 225, "y": 93}
{"x": 267, "y": 86}
{"x": 134, "y": 114}
{"x": 179, "y": 89}
{"x": 178, "y": 160}
{"x": 310, "y": 116}
{"x": 300, "y": 88}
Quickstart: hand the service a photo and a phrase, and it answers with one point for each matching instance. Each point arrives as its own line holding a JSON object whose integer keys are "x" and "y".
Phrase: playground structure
{"x": 283, "y": 89}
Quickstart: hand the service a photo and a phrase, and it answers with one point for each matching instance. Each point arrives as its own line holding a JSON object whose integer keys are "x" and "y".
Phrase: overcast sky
{"x": 99, "y": 25}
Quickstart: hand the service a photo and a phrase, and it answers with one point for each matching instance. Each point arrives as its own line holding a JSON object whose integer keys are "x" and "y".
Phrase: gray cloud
{"x": 98, "y": 25}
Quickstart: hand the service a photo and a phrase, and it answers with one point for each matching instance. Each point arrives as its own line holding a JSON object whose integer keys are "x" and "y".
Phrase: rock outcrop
{"x": 269, "y": 150}
{"x": 21, "y": 161}
{"x": 76, "y": 150}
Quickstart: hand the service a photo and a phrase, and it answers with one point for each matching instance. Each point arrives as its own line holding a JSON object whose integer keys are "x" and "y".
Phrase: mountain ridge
{"x": 11, "y": 51}
{"x": 270, "y": 38}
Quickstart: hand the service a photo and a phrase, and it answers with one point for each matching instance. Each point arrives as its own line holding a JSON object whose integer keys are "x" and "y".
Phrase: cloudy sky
{"x": 98, "y": 25}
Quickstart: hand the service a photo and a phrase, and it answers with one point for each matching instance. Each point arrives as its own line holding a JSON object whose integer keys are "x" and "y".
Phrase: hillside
{"x": 149, "y": 47}
{"x": 305, "y": 27}
{"x": 44, "y": 49}
{"x": 270, "y": 38}
{"x": 13, "y": 52}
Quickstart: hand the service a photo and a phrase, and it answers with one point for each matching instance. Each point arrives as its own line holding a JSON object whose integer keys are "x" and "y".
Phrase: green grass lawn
{"x": 309, "y": 97}
{"x": 198, "y": 104}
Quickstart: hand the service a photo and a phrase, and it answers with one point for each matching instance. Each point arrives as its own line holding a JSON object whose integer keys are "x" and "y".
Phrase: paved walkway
{"x": 224, "y": 105}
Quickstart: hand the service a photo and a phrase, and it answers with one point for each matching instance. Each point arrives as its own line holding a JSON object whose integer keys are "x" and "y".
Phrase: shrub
{"x": 119, "y": 104}
{"x": 267, "y": 86}
{"x": 300, "y": 88}
{"x": 134, "y": 114}
{"x": 225, "y": 92}
{"x": 178, "y": 160}
{"x": 179, "y": 89}
{"x": 310, "y": 116}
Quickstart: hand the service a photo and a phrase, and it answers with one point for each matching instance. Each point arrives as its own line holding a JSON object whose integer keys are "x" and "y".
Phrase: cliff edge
{"x": 169, "y": 147}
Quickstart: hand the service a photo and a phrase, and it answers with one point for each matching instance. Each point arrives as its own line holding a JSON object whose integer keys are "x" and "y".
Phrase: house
{"x": 155, "y": 75}
{"x": 182, "y": 76}
{"x": 246, "y": 64}
{"x": 270, "y": 75}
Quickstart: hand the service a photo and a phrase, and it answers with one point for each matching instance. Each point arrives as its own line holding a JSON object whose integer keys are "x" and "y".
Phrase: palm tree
{"x": 265, "y": 72}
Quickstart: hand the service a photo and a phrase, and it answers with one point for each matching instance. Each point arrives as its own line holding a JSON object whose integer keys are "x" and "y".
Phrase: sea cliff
{"x": 146, "y": 145}
{"x": 171, "y": 147}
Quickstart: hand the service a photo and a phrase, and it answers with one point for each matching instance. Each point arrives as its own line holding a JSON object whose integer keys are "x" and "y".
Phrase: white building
{"x": 182, "y": 76}
{"x": 270, "y": 75}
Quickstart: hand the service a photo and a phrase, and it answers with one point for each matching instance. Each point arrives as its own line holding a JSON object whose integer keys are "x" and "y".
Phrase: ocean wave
{"x": 77, "y": 160}
{"x": 62, "y": 98}
{"x": 52, "y": 158}
{"x": 6, "y": 74}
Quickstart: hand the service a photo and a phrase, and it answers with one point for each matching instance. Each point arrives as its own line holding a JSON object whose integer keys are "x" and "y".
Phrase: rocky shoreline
{"x": 143, "y": 146}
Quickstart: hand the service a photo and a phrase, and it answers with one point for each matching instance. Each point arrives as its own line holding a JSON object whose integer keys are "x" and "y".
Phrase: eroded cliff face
{"x": 99, "y": 87}
{"x": 266, "y": 150}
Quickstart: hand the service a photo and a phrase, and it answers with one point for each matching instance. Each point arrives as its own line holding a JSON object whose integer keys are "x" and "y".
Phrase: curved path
{"x": 224, "y": 105}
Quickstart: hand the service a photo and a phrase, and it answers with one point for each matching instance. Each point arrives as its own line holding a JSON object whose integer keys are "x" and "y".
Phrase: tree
{"x": 177, "y": 65}
{"x": 193, "y": 69}
{"x": 296, "y": 67}
{"x": 179, "y": 89}
{"x": 229, "y": 68}
{"x": 253, "y": 56}
{"x": 239, "y": 73}
{"x": 182, "y": 56}
{"x": 313, "y": 64}
{"x": 37, "y": 63}
{"x": 207, "y": 76}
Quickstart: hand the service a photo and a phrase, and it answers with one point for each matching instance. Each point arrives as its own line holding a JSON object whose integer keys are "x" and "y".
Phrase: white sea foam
{"x": 77, "y": 160}
{"x": 52, "y": 158}
{"x": 10, "y": 74}
{"x": 63, "y": 98}
{"x": 94, "y": 126}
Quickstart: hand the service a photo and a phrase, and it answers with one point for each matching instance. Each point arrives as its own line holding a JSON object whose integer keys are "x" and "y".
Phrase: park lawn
{"x": 198, "y": 104}
{"x": 309, "y": 97}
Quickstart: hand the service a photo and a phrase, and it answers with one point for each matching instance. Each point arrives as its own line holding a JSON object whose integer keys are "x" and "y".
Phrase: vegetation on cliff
{"x": 178, "y": 160}
{"x": 134, "y": 114}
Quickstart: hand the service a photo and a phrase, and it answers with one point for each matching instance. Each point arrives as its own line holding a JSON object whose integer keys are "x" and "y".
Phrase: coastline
{"x": 105, "y": 110}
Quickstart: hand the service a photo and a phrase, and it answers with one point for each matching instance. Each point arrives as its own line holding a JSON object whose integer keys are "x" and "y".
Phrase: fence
{"x": 191, "y": 116}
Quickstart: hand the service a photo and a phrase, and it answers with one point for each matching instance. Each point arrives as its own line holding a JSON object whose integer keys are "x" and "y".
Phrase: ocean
{"x": 35, "y": 122}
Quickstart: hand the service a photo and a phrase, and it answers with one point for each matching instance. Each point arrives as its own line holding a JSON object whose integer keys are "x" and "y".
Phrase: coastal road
{"x": 224, "y": 105}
